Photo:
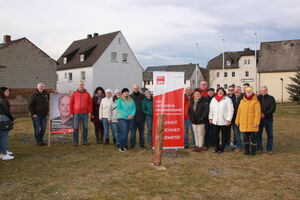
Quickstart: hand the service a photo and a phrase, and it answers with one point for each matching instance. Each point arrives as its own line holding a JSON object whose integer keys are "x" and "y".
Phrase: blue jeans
{"x": 3, "y": 136}
{"x": 134, "y": 127}
{"x": 116, "y": 132}
{"x": 80, "y": 117}
{"x": 124, "y": 125}
{"x": 39, "y": 124}
{"x": 269, "y": 129}
{"x": 149, "y": 122}
{"x": 187, "y": 125}
{"x": 106, "y": 128}
{"x": 238, "y": 136}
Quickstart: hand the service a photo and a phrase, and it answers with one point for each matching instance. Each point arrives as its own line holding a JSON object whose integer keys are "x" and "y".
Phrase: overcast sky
{"x": 160, "y": 32}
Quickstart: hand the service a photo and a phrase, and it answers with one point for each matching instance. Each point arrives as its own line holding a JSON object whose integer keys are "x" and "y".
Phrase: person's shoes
{"x": 237, "y": 150}
{"x": 7, "y": 157}
{"x": 87, "y": 144}
{"x": 219, "y": 152}
{"x": 9, "y": 153}
{"x": 122, "y": 150}
{"x": 131, "y": 147}
{"x": 118, "y": 145}
{"x": 270, "y": 153}
{"x": 259, "y": 152}
{"x": 197, "y": 149}
{"x": 114, "y": 140}
{"x": 41, "y": 144}
{"x": 107, "y": 141}
{"x": 142, "y": 146}
{"x": 186, "y": 147}
{"x": 125, "y": 149}
{"x": 205, "y": 148}
{"x": 76, "y": 145}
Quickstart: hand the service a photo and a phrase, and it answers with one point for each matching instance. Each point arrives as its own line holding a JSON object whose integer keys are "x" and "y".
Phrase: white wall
{"x": 112, "y": 74}
{"x": 239, "y": 74}
{"x": 65, "y": 86}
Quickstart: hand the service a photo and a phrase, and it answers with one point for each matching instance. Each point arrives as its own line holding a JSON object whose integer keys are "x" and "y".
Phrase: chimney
{"x": 89, "y": 36}
{"x": 96, "y": 34}
{"x": 6, "y": 38}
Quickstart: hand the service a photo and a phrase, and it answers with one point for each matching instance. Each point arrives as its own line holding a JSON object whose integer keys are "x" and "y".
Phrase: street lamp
{"x": 281, "y": 91}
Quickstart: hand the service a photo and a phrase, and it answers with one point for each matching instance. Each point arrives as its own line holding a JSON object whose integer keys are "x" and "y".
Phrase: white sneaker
{"x": 7, "y": 157}
{"x": 121, "y": 150}
{"x": 9, "y": 153}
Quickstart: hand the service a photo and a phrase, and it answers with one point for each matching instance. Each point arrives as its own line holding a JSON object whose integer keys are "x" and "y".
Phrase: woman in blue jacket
{"x": 148, "y": 110}
{"x": 126, "y": 111}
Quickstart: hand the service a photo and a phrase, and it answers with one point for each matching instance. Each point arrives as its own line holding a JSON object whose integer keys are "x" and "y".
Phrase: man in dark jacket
{"x": 39, "y": 108}
{"x": 209, "y": 127}
{"x": 268, "y": 107}
{"x": 138, "y": 121}
{"x": 236, "y": 99}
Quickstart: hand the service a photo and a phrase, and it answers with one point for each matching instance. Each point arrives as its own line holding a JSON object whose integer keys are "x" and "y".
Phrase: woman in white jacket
{"x": 105, "y": 113}
{"x": 220, "y": 115}
{"x": 114, "y": 117}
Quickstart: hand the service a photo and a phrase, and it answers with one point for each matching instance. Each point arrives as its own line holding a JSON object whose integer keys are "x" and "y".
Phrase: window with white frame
{"x": 82, "y": 75}
{"x": 81, "y": 57}
{"x": 218, "y": 74}
{"x": 248, "y": 61}
{"x": 228, "y": 62}
{"x": 66, "y": 75}
{"x": 233, "y": 74}
{"x": 247, "y": 73}
{"x": 124, "y": 57}
{"x": 113, "y": 56}
{"x": 225, "y": 86}
{"x": 218, "y": 85}
{"x": 65, "y": 60}
{"x": 225, "y": 74}
{"x": 245, "y": 62}
{"x": 70, "y": 76}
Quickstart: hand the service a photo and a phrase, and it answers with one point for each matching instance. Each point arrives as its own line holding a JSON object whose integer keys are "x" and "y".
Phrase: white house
{"x": 239, "y": 68}
{"x": 99, "y": 60}
{"x": 192, "y": 74}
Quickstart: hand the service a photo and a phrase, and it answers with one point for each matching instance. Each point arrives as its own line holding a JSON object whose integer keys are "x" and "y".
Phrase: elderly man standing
{"x": 268, "y": 107}
{"x": 187, "y": 120}
{"x": 39, "y": 108}
{"x": 81, "y": 108}
{"x": 203, "y": 88}
{"x": 139, "y": 117}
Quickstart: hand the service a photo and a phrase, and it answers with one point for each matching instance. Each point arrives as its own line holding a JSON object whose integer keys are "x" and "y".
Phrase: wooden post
{"x": 158, "y": 150}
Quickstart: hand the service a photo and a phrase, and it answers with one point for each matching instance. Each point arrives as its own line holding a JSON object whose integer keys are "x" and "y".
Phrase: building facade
{"x": 99, "y": 60}
{"x": 239, "y": 68}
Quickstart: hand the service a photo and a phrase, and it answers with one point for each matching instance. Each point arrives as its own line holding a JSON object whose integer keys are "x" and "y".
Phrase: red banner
{"x": 169, "y": 100}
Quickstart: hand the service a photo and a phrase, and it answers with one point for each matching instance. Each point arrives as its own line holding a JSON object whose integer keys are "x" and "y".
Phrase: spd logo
{"x": 160, "y": 80}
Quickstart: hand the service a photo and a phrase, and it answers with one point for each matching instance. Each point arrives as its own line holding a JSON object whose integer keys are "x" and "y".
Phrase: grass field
{"x": 101, "y": 172}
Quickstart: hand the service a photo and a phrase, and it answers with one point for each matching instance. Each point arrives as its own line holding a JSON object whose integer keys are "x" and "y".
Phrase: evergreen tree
{"x": 294, "y": 88}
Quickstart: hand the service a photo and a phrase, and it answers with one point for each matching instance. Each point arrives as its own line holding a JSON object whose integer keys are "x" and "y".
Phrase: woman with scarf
{"x": 198, "y": 113}
{"x": 220, "y": 115}
{"x": 248, "y": 119}
{"x": 99, "y": 129}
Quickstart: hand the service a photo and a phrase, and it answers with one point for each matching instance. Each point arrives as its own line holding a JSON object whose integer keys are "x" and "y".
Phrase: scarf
{"x": 204, "y": 93}
{"x": 218, "y": 98}
{"x": 249, "y": 97}
{"x": 195, "y": 104}
{"x": 99, "y": 98}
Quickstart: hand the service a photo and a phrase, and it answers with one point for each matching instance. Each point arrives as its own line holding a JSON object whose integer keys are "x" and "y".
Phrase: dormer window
{"x": 228, "y": 63}
{"x": 65, "y": 60}
{"x": 81, "y": 57}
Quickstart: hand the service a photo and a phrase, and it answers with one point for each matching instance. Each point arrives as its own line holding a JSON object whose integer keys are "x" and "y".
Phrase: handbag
{"x": 6, "y": 125}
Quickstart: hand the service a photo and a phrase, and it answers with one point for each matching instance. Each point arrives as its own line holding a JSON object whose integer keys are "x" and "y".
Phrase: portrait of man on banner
{"x": 60, "y": 117}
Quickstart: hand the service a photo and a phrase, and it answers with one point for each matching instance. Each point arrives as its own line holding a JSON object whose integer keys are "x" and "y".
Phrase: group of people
{"x": 206, "y": 114}
{"x": 209, "y": 113}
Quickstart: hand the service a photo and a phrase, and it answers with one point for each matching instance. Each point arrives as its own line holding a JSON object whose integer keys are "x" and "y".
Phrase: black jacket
{"x": 39, "y": 104}
{"x": 236, "y": 103}
{"x": 199, "y": 116}
{"x": 268, "y": 106}
{"x": 5, "y": 109}
{"x": 138, "y": 100}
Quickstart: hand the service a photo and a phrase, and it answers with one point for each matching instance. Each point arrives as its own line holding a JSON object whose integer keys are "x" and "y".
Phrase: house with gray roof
{"x": 23, "y": 65}
{"x": 239, "y": 68}
{"x": 192, "y": 74}
{"x": 278, "y": 61}
{"x": 98, "y": 60}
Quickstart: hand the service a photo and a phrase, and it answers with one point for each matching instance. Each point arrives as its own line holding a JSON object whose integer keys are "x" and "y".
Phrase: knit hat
{"x": 117, "y": 90}
{"x": 125, "y": 90}
{"x": 211, "y": 89}
{"x": 108, "y": 90}
{"x": 148, "y": 92}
